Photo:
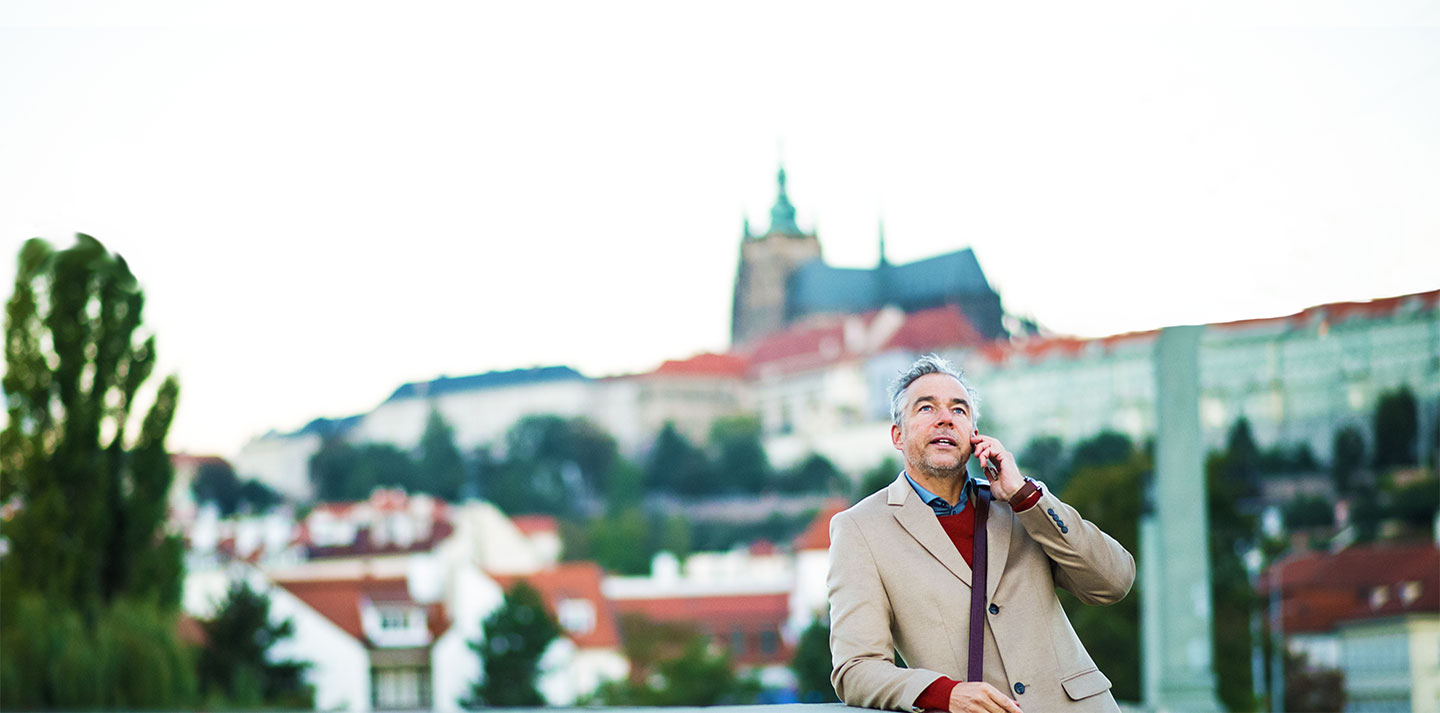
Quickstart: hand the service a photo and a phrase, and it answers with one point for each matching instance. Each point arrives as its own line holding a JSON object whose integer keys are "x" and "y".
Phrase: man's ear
{"x": 895, "y": 439}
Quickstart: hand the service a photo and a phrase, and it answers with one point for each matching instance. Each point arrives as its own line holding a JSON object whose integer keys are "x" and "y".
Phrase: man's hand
{"x": 980, "y": 698}
{"x": 1005, "y": 482}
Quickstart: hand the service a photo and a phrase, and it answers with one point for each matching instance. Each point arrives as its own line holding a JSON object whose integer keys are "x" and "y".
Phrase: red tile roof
{"x": 364, "y": 543}
{"x": 1339, "y": 312}
{"x": 822, "y": 341}
{"x": 340, "y": 600}
{"x": 1332, "y": 314}
{"x": 817, "y": 534}
{"x": 721, "y": 616}
{"x": 730, "y": 365}
{"x": 574, "y": 580}
{"x": 1036, "y": 348}
{"x": 535, "y": 524}
{"x": 714, "y": 608}
{"x": 1322, "y": 590}
{"x": 934, "y": 329}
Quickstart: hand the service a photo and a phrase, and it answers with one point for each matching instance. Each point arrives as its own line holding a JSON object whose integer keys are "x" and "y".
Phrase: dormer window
{"x": 577, "y": 616}
{"x": 395, "y": 624}
{"x": 1379, "y": 596}
{"x": 1409, "y": 592}
{"x": 395, "y": 618}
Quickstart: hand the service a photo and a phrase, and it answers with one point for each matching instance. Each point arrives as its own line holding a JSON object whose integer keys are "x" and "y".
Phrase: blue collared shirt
{"x": 938, "y": 503}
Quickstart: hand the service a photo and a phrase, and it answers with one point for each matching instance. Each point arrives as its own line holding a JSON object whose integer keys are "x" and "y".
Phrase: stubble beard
{"x": 927, "y": 466}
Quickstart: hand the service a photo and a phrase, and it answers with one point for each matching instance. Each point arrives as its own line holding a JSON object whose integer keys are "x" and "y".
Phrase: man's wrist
{"x": 1026, "y": 496}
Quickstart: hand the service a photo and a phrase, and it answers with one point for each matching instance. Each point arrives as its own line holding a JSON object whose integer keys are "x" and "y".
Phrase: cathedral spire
{"x": 782, "y": 214}
{"x": 883, "y": 260}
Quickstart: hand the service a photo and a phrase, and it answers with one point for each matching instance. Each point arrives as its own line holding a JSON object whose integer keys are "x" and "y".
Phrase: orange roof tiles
{"x": 574, "y": 580}
{"x": 731, "y": 365}
{"x": 535, "y": 524}
{"x": 933, "y": 329}
{"x": 1321, "y": 590}
{"x": 340, "y": 601}
{"x": 1334, "y": 313}
{"x": 817, "y": 534}
{"x": 822, "y": 341}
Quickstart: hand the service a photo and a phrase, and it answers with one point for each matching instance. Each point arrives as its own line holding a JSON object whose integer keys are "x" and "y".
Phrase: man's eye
{"x": 925, "y": 407}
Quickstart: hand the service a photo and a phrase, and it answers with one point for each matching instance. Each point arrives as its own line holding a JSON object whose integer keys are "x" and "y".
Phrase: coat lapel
{"x": 919, "y": 520}
{"x": 998, "y": 529}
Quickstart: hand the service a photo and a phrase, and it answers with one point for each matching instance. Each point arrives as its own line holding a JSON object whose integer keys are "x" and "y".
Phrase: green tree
{"x": 1414, "y": 505}
{"x": 741, "y": 465}
{"x": 332, "y": 470}
{"x": 676, "y": 537}
{"x": 235, "y": 668}
{"x": 1367, "y": 511}
{"x": 675, "y": 465}
{"x": 256, "y": 496}
{"x": 698, "y": 677}
{"x": 1239, "y": 471}
{"x": 215, "y": 482}
{"x": 1397, "y": 428}
{"x": 515, "y": 637}
{"x": 87, "y": 538}
{"x": 1305, "y": 512}
{"x": 551, "y": 465}
{"x": 811, "y": 664}
{"x": 1043, "y": 459}
{"x": 876, "y": 478}
{"x": 441, "y": 471}
{"x": 623, "y": 542}
{"x": 128, "y": 657}
{"x": 1230, "y": 476}
{"x": 1347, "y": 457}
{"x": 1111, "y": 497}
{"x": 815, "y": 474}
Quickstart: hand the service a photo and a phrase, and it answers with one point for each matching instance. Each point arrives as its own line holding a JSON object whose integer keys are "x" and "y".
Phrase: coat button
{"x": 1019, "y": 688}
{"x": 994, "y": 609}
{"x": 1064, "y": 530}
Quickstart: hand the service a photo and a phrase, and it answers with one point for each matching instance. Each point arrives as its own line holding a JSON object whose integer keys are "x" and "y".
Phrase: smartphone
{"x": 987, "y": 465}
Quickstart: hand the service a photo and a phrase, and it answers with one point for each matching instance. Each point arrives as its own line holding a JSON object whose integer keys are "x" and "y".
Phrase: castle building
{"x": 782, "y": 279}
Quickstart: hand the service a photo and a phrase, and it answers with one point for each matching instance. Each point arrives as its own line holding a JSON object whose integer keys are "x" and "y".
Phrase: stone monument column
{"x": 1176, "y": 616}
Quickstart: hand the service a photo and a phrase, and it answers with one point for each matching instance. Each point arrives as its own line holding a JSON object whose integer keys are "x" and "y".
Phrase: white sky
{"x": 325, "y": 200}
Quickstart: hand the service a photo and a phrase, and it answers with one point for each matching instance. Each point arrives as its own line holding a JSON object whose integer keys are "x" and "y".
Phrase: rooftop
{"x": 488, "y": 380}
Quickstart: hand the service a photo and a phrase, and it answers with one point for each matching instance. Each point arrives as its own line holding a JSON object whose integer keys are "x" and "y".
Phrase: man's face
{"x": 935, "y": 427}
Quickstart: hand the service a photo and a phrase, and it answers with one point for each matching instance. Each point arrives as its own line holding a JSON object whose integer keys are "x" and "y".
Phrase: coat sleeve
{"x": 862, "y": 649}
{"x": 1086, "y": 562}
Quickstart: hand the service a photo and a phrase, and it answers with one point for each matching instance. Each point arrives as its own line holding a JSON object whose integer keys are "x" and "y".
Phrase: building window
{"x": 1409, "y": 592}
{"x": 394, "y": 619}
{"x": 577, "y": 616}
{"x": 769, "y": 642}
{"x": 737, "y": 642}
{"x": 1379, "y": 596}
{"x": 400, "y": 687}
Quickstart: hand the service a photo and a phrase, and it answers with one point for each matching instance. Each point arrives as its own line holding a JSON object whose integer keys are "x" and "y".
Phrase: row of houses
{"x": 386, "y": 596}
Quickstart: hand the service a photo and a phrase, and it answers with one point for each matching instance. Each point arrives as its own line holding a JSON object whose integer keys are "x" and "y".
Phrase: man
{"x": 900, "y": 572}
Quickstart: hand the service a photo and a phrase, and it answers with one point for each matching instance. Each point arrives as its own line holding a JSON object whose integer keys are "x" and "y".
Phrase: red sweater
{"x": 961, "y": 529}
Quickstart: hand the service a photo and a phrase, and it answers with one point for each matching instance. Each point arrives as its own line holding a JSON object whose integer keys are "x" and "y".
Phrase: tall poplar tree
{"x": 85, "y": 472}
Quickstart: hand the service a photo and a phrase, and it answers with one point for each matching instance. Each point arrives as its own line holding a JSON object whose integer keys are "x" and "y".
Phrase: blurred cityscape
{"x": 673, "y": 524}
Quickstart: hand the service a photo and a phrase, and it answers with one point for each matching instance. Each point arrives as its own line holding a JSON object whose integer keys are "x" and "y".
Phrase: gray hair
{"x": 928, "y": 364}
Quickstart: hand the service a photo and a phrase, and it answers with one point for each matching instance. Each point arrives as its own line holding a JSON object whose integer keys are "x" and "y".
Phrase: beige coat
{"x": 897, "y": 583}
